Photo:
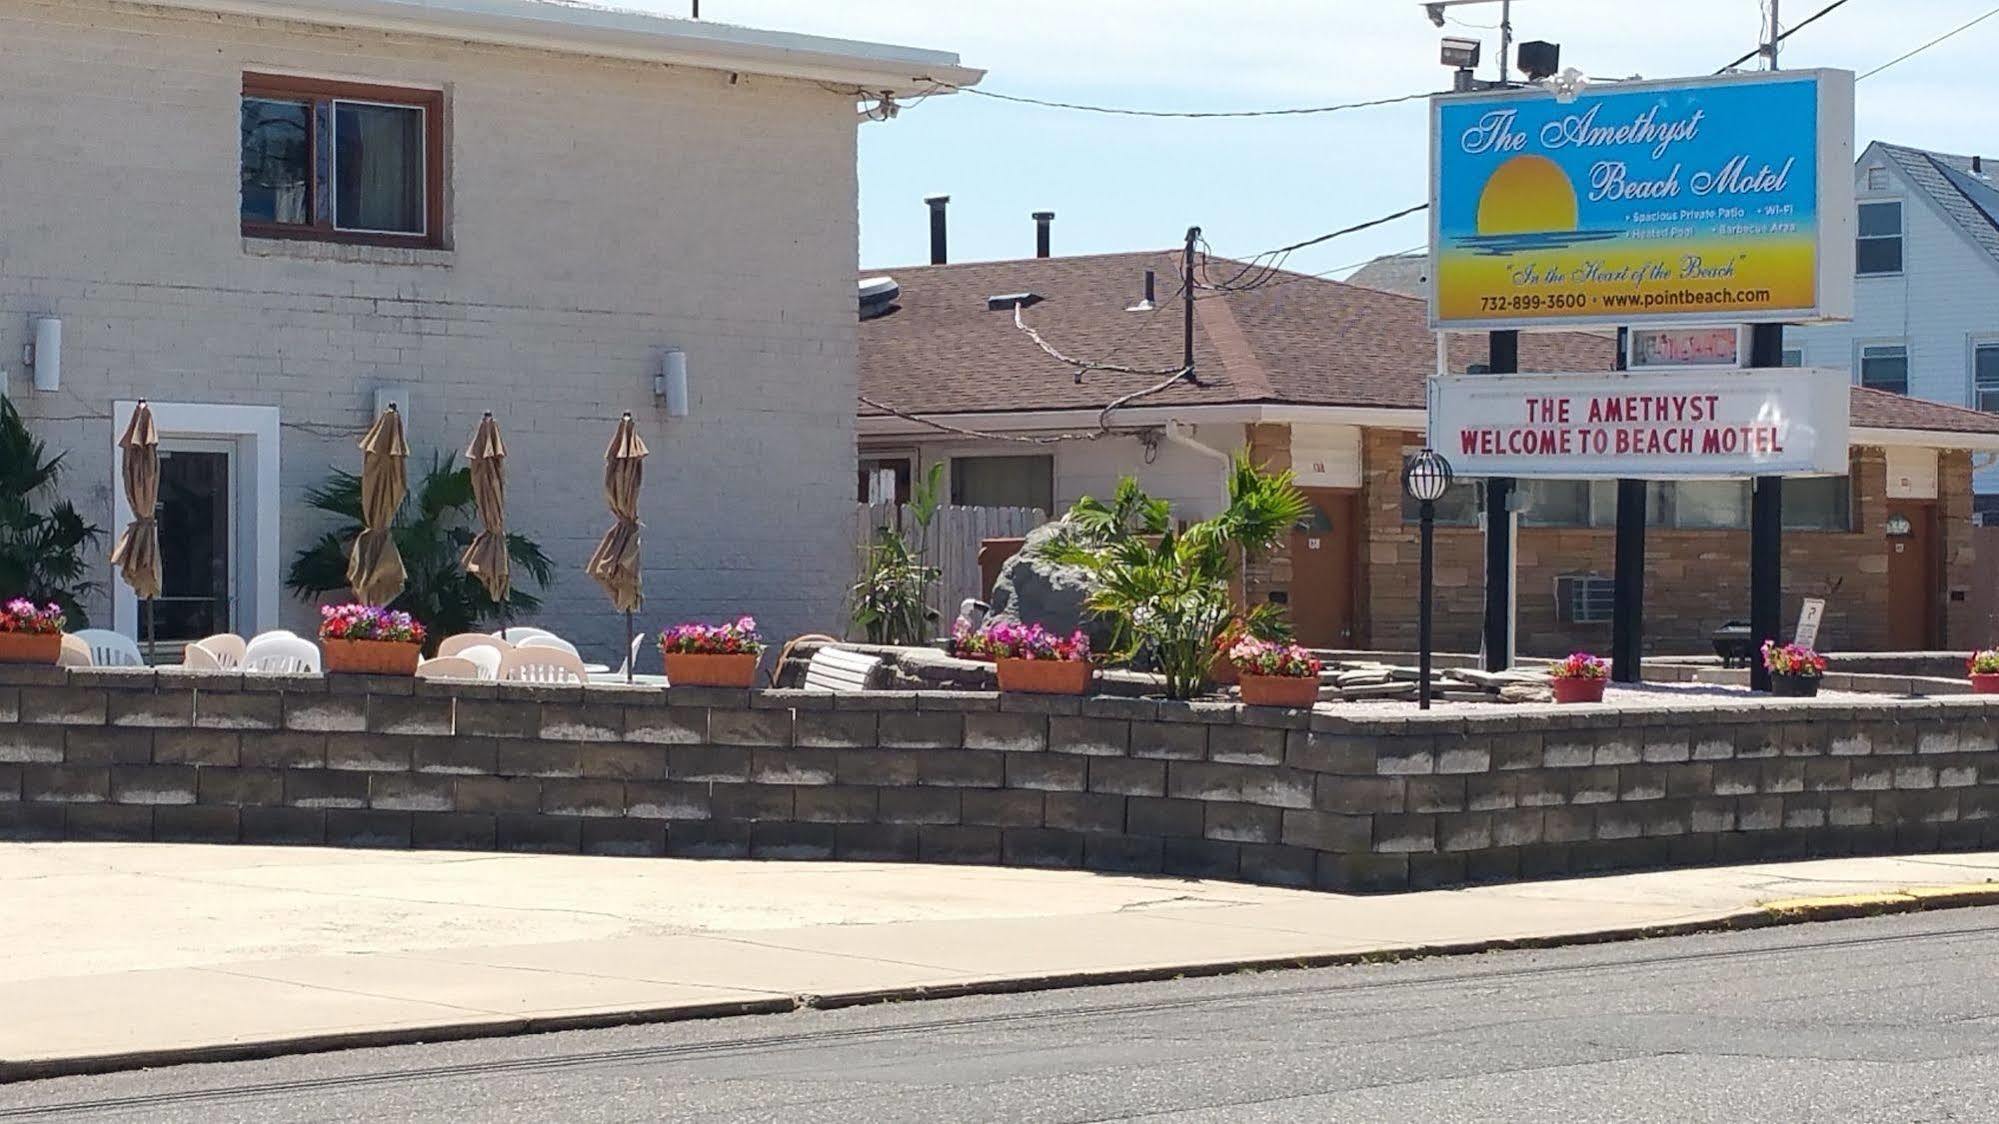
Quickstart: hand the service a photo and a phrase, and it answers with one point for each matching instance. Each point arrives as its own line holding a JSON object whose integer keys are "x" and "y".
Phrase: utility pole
{"x": 1187, "y": 294}
{"x": 1766, "y": 497}
{"x": 1506, "y": 36}
{"x": 1771, "y": 43}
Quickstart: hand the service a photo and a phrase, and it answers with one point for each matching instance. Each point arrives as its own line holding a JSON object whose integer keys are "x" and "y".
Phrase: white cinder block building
{"x": 270, "y": 216}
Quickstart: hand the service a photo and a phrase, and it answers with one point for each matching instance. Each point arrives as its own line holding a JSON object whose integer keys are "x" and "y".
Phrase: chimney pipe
{"x": 1149, "y": 282}
{"x": 937, "y": 203}
{"x": 1041, "y": 221}
{"x": 1977, "y": 166}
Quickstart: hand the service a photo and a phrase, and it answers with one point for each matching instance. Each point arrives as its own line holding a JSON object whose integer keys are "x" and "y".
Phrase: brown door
{"x": 1322, "y": 569}
{"x": 1915, "y": 579}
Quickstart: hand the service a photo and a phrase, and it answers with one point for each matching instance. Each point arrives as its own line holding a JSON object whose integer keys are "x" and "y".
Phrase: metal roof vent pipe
{"x": 938, "y": 246}
{"x": 1041, "y": 221}
{"x": 1150, "y": 301}
{"x": 1978, "y": 166}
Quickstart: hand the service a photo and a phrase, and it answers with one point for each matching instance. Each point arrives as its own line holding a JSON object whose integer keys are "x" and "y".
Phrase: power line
{"x": 1124, "y": 111}
{"x": 1958, "y": 30}
{"x": 1799, "y": 26}
{"x": 1265, "y": 269}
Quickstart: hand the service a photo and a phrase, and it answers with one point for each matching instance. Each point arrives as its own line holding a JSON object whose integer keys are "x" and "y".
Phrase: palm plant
{"x": 891, "y": 602}
{"x": 41, "y": 552}
{"x": 1169, "y": 590}
{"x": 432, "y": 530}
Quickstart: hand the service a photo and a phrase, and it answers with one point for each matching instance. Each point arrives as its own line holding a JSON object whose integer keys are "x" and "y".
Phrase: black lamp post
{"x": 1426, "y": 476}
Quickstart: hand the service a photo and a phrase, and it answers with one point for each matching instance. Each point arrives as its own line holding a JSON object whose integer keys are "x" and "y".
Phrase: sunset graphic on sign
{"x": 1527, "y": 203}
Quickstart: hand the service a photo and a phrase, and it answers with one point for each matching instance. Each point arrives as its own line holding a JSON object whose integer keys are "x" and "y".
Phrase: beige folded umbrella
{"x": 375, "y": 569}
{"x": 137, "y": 554}
{"x": 615, "y": 562}
{"x": 486, "y": 558}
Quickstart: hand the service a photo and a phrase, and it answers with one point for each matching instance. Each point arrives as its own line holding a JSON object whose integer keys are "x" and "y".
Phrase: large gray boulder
{"x": 1031, "y": 589}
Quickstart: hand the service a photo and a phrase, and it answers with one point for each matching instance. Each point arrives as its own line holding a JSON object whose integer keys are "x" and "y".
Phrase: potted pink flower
{"x": 712, "y": 655}
{"x": 1795, "y": 670}
{"x": 1579, "y": 678}
{"x": 1272, "y": 674}
{"x": 369, "y": 640}
{"x": 1984, "y": 669}
{"x": 1031, "y": 659}
{"x": 30, "y": 634}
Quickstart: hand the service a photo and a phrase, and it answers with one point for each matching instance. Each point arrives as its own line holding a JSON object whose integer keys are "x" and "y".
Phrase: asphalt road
{"x": 1885, "y": 1019}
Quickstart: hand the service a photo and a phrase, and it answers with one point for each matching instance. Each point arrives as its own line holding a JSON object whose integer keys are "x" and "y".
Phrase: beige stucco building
{"x": 268, "y": 217}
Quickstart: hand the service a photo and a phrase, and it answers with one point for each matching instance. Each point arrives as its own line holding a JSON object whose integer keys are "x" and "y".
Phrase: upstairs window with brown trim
{"x": 342, "y": 162}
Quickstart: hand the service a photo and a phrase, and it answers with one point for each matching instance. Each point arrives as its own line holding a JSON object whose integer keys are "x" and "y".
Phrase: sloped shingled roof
{"x": 1307, "y": 341}
{"x": 1972, "y": 204}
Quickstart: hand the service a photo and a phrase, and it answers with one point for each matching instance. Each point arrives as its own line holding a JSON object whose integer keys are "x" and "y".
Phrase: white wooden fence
{"x": 951, "y": 544}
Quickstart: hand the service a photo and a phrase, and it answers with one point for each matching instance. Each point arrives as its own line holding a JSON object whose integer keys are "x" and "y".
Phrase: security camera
{"x": 1436, "y": 13}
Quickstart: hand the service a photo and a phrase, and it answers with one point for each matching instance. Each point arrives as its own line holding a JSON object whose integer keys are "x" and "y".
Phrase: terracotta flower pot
{"x": 371, "y": 657}
{"x": 701, "y": 669}
{"x": 1045, "y": 677}
{"x": 30, "y": 647}
{"x": 1794, "y": 686}
{"x": 1297, "y": 691}
{"x": 1577, "y": 690}
{"x": 1985, "y": 683}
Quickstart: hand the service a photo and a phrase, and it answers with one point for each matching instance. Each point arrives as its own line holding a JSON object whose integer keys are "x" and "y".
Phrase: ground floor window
{"x": 885, "y": 479}
{"x": 1004, "y": 482}
{"x": 1985, "y": 377}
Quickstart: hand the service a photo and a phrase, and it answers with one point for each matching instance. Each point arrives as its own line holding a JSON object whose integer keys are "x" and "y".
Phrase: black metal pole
{"x": 1187, "y": 295}
{"x": 1627, "y": 620}
{"x": 1766, "y": 528}
{"x": 1423, "y": 605}
{"x": 1503, "y": 358}
{"x": 631, "y": 662}
{"x": 152, "y": 636}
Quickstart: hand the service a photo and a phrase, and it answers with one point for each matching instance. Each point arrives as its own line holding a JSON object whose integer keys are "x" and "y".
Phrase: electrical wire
{"x": 1794, "y": 29}
{"x": 1123, "y": 111}
{"x": 1103, "y": 429}
{"x": 1953, "y": 32}
{"x": 1270, "y": 262}
{"x": 1083, "y": 365}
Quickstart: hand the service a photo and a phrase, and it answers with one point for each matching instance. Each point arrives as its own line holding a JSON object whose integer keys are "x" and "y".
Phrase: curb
{"x": 1788, "y": 911}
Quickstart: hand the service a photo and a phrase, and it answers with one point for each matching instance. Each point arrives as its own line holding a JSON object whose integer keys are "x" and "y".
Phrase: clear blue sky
{"x": 1120, "y": 183}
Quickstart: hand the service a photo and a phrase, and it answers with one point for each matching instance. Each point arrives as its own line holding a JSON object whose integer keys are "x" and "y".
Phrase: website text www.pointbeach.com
{"x": 1686, "y": 296}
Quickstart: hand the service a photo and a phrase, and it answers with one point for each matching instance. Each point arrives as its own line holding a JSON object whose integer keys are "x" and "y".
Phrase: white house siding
{"x": 599, "y": 212}
{"x": 1946, "y": 297}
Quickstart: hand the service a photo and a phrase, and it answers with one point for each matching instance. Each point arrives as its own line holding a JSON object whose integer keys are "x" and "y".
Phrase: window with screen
{"x": 1885, "y": 367}
{"x": 1004, "y": 482}
{"x": 1985, "y": 376}
{"x": 1878, "y": 249}
{"x": 341, "y": 162}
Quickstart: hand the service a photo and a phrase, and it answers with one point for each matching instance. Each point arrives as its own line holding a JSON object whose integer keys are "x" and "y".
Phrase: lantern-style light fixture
{"x": 1427, "y": 475}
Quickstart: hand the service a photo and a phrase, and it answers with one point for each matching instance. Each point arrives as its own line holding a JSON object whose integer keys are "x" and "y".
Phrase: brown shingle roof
{"x": 1305, "y": 341}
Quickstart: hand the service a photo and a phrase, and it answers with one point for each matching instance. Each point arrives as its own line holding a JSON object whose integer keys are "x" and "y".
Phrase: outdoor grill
{"x": 1735, "y": 644}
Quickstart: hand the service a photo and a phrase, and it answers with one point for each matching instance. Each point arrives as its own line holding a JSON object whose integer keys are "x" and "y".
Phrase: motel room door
{"x": 1322, "y": 569}
{"x": 1915, "y": 578}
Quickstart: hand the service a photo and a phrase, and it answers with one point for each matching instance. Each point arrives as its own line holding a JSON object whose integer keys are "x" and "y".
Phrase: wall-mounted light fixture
{"x": 43, "y": 354}
{"x": 1899, "y": 527}
{"x": 670, "y": 383}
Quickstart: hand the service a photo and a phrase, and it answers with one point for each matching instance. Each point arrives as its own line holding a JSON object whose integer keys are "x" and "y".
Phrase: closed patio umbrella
{"x": 486, "y": 558}
{"x": 615, "y": 563}
{"x": 375, "y": 569}
{"x": 137, "y": 554}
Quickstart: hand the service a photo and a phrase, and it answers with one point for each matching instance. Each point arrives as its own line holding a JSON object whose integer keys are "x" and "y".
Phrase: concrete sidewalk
{"x": 128, "y": 954}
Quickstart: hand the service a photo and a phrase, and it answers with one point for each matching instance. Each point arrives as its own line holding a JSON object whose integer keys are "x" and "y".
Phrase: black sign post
{"x": 1627, "y": 615}
{"x": 1766, "y": 528}
{"x": 1503, "y": 358}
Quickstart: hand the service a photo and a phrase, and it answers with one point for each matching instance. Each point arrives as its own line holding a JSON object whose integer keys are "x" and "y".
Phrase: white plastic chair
{"x": 226, "y": 647}
{"x": 521, "y": 632}
{"x": 448, "y": 667}
{"x": 281, "y": 653}
{"x": 111, "y": 649}
{"x": 549, "y": 640}
{"x": 75, "y": 652}
{"x": 200, "y": 659}
{"x": 485, "y": 657}
{"x": 456, "y": 645}
{"x": 631, "y": 663}
{"x": 542, "y": 665}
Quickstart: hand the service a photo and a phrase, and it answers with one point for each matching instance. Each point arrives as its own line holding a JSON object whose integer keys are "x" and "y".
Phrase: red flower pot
{"x": 1295, "y": 691}
{"x": 1985, "y": 683}
{"x": 1045, "y": 677}
{"x": 30, "y": 647}
{"x": 696, "y": 669}
{"x": 1577, "y": 690}
{"x": 371, "y": 657}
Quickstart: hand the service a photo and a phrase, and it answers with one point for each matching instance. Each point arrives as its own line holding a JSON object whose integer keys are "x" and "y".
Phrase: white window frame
{"x": 1901, "y": 234}
{"x": 254, "y": 432}
{"x": 1860, "y": 354}
{"x": 1971, "y": 350}
{"x": 423, "y": 165}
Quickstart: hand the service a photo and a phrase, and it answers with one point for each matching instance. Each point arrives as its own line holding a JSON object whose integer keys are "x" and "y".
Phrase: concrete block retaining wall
{"x": 1210, "y": 789}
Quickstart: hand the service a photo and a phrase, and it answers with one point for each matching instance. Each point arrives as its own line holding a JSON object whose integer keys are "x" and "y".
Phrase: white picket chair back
{"x": 549, "y": 640}
{"x": 631, "y": 663}
{"x": 485, "y": 657}
{"x": 111, "y": 649}
{"x": 456, "y": 644}
{"x": 75, "y": 652}
{"x": 448, "y": 667}
{"x": 832, "y": 669}
{"x": 519, "y": 633}
{"x": 542, "y": 665}
{"x": 226, "y": 647}
{"x": 281, "y": 653}
{"x": 199, "y": 658}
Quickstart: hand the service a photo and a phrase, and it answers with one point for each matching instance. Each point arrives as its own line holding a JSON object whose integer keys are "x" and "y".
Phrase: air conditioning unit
{"x": 1585, "y": 598}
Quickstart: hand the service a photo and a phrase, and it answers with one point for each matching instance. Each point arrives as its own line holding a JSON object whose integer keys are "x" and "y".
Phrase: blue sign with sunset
{"x": 1657, "y": 200}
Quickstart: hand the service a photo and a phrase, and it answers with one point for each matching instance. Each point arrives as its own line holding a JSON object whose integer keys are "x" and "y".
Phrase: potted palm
{"x": 1795, "y": 670}
{"x": 1274, "y": 674}
{"x": 1984, "y": 669}
{"x": 712, "y": 655}
{"x": 1031, "y": 659}
{"x": 1579, "y": 678}
{"x": 369, "y": 640}
{"x": 29, "y": 634}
